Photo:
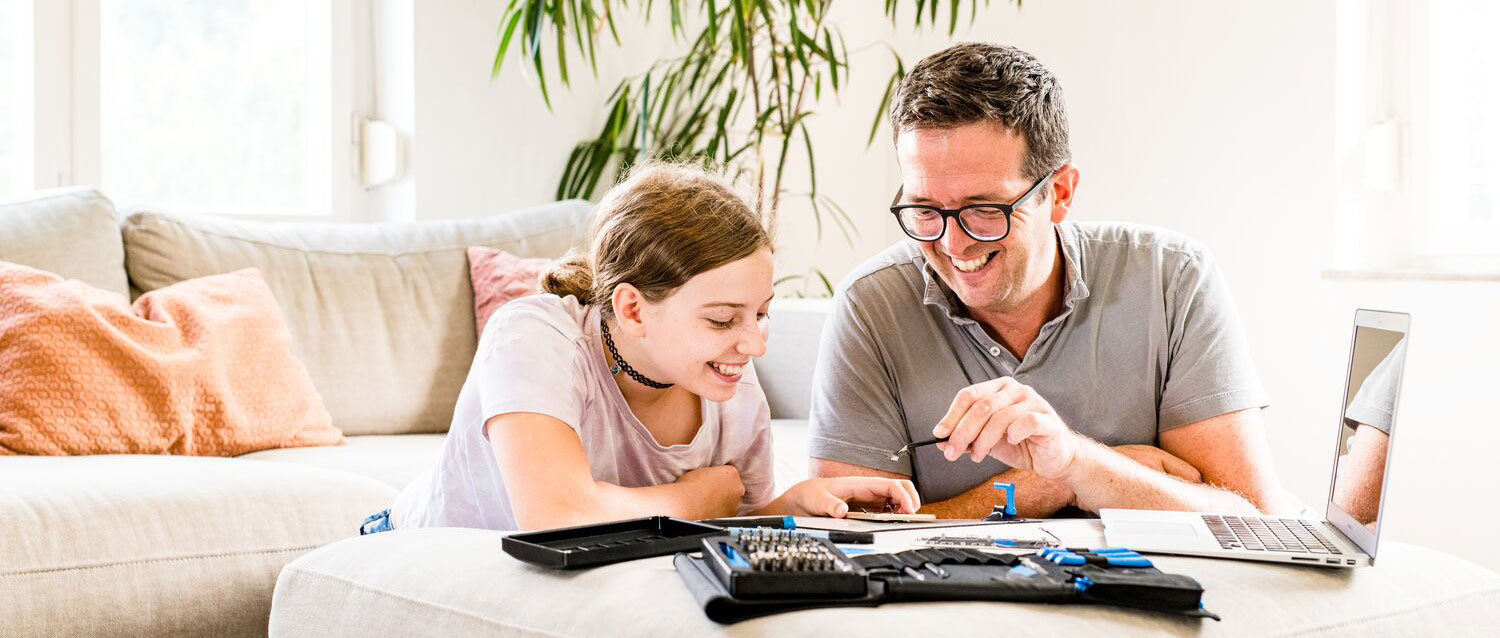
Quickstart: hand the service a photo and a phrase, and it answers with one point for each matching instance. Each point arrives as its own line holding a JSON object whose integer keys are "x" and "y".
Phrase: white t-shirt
{"x": 543, "y": 354}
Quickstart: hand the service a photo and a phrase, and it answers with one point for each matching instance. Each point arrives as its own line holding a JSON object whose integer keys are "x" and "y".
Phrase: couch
{"x": 382, "y": 315}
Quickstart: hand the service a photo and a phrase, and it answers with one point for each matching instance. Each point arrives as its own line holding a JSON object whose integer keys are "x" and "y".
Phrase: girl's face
{"x": 703, "y": 334}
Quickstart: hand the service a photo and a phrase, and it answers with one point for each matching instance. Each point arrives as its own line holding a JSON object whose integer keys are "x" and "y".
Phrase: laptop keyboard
{"x": 1269, "y": 534}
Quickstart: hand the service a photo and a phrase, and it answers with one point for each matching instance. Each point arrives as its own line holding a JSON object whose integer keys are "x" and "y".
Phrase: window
{"x": 242, "y": 107}
{"x": 204, "y": 105}
{"x": 16, "y": 170}
{"x": 1418, "y": 136}
{"x": 1461, "y": 180}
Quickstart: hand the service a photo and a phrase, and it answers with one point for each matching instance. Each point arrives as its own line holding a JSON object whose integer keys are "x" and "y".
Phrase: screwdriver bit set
{"x": 761, "y": 562}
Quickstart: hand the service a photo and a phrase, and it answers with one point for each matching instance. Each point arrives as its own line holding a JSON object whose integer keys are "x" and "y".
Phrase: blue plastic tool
{"x": 1006, "y": 512}
{"x": 1114, "y": 556}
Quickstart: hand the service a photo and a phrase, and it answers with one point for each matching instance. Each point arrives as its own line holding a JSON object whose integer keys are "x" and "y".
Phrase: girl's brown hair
{"x": 657, "y": 229}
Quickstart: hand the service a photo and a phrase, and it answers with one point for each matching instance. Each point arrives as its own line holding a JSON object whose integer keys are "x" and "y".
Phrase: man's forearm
{"x": 1036, "y": 497}
{"x": 1101, "y": 477}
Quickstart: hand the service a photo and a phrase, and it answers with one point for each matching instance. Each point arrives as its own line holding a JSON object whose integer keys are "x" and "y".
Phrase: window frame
{"x": 1386, "y": 222}
{"x": 1435, "y": 244}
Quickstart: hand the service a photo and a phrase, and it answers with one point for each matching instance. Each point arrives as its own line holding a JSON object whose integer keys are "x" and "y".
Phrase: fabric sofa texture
{"x": 381, "y": 314}
{"x": 139, "y": 545}
{"x": 72, "y": 232}
{"x": 383, "y": 318}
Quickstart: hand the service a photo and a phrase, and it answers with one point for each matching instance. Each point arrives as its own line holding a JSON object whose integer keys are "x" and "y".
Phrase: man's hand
{"x": 1008, "y": 420}
{"x": 1161, "y": 461}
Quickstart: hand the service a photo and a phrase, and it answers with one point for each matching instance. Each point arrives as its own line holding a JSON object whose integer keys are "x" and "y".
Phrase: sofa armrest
{"x": 786, "y": 370}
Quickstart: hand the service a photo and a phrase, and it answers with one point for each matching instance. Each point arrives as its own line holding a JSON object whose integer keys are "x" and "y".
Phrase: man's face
{"x": 979, "y": 163}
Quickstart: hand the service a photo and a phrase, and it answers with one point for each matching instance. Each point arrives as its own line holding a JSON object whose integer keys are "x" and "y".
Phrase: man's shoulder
{"x": 897, "y": 268}
{"x": 1121, "y": 252}
{"x": 1105, "y": 237}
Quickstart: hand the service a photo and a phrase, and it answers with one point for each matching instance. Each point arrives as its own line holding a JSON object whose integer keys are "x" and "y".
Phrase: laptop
{"x": 1349, "y": 532}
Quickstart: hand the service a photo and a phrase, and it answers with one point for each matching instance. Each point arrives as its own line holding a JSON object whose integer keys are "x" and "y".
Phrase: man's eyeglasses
{"x": 983, "y": 222}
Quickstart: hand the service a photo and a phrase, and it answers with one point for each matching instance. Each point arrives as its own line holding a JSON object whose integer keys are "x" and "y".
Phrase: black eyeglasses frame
{"x": 955, "y": 213}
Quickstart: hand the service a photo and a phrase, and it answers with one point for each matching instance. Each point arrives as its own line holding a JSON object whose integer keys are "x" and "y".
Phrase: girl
{"x": 625, "y": 390}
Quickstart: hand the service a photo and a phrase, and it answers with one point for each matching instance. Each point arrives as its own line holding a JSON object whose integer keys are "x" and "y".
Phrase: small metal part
{"x": 906, "y": 449}
{"x": 936, "y": 571}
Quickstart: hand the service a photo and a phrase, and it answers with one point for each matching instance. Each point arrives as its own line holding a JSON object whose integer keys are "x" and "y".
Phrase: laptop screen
{"x": 1374, "y": 382}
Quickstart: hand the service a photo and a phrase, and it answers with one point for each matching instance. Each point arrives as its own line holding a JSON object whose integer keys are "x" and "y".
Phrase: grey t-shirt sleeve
{"x": 1209, "y": 368}
{"x": 1374, "y": 403}
{"x": 856, "y": 417}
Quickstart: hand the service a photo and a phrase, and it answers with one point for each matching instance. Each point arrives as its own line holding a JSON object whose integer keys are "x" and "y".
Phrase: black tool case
{"x": 605, "y": 543}
{"x": 946, "y": 574}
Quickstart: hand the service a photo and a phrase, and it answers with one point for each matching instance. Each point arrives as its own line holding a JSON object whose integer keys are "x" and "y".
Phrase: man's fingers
{"x": 960, "y": 405}
{"x": 994, "y": 431}
{"x": 968, "y": 427}
{"x": 964, "y": 400}
{"x": 978, "y": 418}
{"x": 1026, "y": 425}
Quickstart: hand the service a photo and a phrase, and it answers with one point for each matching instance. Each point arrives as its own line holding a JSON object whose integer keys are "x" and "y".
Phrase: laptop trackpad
{"x": 1160, "y": 531}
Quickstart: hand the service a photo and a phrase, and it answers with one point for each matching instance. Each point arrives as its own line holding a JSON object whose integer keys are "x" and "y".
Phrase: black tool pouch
{"x": 948, "y": 574}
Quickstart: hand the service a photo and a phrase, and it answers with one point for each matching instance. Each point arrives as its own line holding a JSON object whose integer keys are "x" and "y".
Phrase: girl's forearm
{"x": 602, "y": 502}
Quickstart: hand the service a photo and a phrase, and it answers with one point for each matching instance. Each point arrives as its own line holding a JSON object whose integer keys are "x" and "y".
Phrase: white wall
{"x": 1214, "y": 119}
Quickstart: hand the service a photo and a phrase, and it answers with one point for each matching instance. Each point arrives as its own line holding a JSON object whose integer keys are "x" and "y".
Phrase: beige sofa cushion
{"x": 161, "y": 545}
{"x": 393, "y": 459}
{"x": 381, "y": 314}
{"x": 73, "y": 232}
{"x": 456, "y": 582}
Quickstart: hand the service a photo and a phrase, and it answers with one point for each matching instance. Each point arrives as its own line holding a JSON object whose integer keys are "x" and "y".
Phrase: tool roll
{"x": 738, "y": 577}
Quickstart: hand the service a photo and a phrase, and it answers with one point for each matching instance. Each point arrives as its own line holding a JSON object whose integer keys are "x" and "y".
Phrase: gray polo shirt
{"x": 1148, "y": 340}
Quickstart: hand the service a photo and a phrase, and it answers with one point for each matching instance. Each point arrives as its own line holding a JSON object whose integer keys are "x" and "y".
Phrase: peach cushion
{"x": 203, "y": 367}
{"x": 499, "y": 277}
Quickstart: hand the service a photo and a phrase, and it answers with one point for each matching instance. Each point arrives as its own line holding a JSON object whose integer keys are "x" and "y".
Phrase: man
{"x": 1094, "y": 365}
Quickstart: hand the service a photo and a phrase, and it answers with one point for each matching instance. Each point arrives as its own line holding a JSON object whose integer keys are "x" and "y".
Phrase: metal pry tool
{"x": 906, "y": 449}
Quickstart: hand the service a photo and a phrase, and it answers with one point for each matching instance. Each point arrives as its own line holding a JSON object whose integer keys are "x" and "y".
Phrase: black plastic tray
{"x": 605, "y": 543}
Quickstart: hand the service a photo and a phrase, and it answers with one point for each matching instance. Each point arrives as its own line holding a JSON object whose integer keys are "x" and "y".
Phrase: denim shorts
{"x": 377, "y": 522}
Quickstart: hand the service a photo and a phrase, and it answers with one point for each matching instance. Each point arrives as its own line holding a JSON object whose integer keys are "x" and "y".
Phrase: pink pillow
{"x": 498, "y": 277}
{"x": 202, "y": 367}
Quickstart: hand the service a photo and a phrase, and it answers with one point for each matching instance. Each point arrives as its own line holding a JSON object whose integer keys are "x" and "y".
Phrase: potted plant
{"x": 739, "y": 97}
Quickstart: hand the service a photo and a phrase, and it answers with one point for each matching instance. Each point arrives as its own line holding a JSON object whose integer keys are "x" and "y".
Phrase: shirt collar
{"x": 1075, "y": 289}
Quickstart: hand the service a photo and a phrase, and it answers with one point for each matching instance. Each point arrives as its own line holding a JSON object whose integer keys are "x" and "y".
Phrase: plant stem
{"x": 787, "y": 129}
{"x": 760, "y": 158}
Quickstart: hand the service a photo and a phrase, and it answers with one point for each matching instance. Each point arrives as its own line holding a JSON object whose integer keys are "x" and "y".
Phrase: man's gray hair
{"x": 979, "y": 82}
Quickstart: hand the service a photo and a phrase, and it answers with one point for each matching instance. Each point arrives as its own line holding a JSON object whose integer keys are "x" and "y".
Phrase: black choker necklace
{"x": 620, "y": 364}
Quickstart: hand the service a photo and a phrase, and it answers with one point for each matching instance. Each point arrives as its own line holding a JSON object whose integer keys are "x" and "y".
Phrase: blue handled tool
{"x": 1113, "y": 556}
{"x": 1006, "y": 512}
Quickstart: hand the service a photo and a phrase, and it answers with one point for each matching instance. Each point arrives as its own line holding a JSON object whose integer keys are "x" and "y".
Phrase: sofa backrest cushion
{"x": 71, "y": 232}
{"x": 381, "y": 314}
{"x": 786, "y": 370}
